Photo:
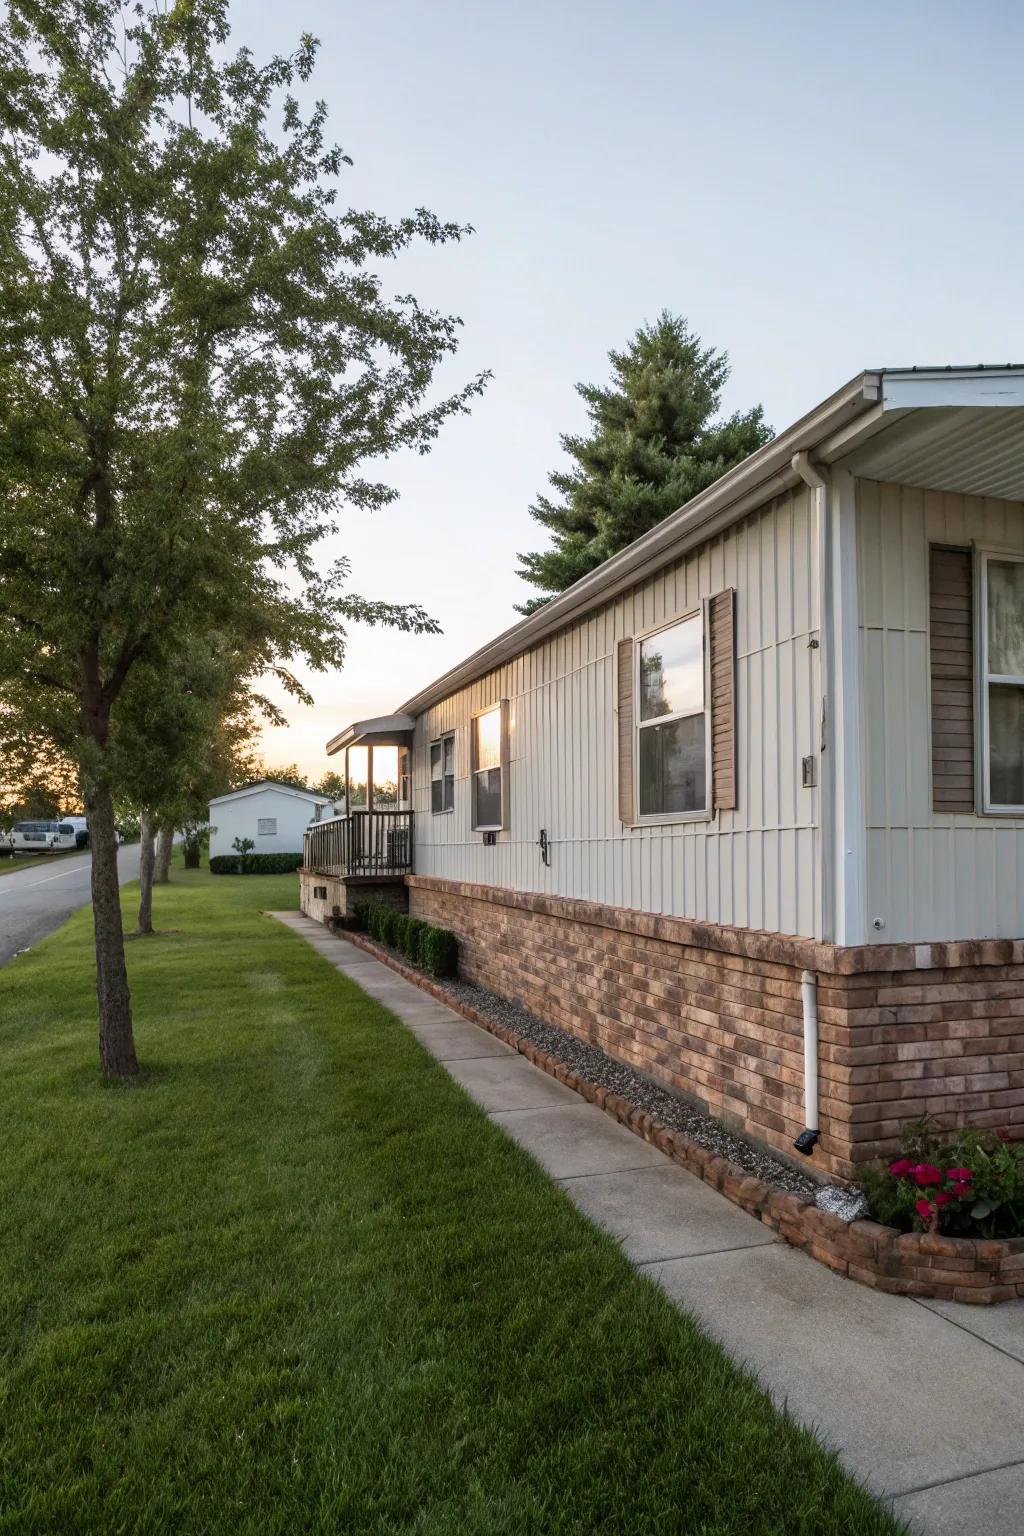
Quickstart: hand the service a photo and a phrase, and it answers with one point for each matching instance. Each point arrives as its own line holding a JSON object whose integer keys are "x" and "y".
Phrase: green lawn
{"x": 294, "y": 1281}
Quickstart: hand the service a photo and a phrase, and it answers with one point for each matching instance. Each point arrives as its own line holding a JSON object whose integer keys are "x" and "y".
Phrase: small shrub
{"x": 375, "y": 912}
{"x": 255, "y": 863}
{"x": 966, "y": 1183}
{"x": 398, "y": 929}
{"x": 415, "y": 927}
{"x": 389, "y": 926}
{"x": 361, "y": 915}
{"x": 439, "y": 952}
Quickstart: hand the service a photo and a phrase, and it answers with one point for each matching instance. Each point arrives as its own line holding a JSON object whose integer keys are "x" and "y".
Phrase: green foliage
{"x": 361, "y": 914}
{"x": 414, "y": 930}
{"x": 965, "y": 1182}
{"x": 255, "y": 863}
{"x": 399, "y": 931}
{"x": 654, "y": 443}
{"x": 199, "y": 359}
{"x": 439, "y": 951}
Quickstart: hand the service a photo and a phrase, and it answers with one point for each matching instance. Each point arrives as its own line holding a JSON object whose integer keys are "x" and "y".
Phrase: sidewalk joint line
{"x": 964, "y": 1477}
{"x": 707, "y": 1253}
{"x": 608, "y": 1173}
{"x": 923, "y": 1302}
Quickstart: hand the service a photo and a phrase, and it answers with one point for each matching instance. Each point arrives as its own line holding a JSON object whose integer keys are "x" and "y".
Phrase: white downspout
{"x": 819, "y": 486}
{"x": 809, "y": 997}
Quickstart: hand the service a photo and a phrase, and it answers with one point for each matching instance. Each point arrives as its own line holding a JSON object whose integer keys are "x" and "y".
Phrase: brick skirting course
{"x": 974, "y": 1270}
{"x": 714, "y": 1013}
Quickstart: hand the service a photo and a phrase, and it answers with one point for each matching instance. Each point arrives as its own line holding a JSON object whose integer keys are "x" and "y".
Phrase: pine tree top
{"x": 654, "y": 444}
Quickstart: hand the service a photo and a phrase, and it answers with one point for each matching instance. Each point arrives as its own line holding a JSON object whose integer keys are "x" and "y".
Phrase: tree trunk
{"x": 117, "y": 1044}
{"x": 147, "y": 860}
{"x": 163, "y": 855}
{"x": 193, "y": 853}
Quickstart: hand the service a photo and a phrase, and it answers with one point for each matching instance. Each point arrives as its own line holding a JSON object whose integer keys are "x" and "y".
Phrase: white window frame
{"x": 439, "y": 741}
{"x": 501, "y": 705}
{"x": 655, "y": 818}
{"x": 266, "y": 826}
{"x": 984, "y": 678}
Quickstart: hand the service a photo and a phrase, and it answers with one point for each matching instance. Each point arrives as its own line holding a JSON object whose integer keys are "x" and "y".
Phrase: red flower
{"x": 923, "y": 1208}
{"x": 1003, "y": 1135}
{"x": 962, "y": 1189}
{"x": 961, "y": 1175}
{"x": 942, "y": 1198}
{"x": 926, "y": 1173}
{"x": 901, "y": 1167}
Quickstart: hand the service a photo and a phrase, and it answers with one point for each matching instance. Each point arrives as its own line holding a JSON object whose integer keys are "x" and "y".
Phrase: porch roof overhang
{"x": 945, "y": 428}
{"x": 382, "y": 731}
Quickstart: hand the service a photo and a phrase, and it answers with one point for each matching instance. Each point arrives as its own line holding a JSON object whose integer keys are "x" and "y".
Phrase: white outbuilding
{"x": 273, "y": 815}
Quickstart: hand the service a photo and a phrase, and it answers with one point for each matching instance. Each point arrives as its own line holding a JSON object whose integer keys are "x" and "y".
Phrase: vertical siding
{"x": 930, "y": 875}
{"x": 752, "y": 866}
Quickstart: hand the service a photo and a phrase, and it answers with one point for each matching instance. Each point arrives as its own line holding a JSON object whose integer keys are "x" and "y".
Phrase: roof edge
{"x": 765, "y": 473}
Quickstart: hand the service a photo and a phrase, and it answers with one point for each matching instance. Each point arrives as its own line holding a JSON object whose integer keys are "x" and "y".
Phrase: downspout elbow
{"x": 808, "y": 472}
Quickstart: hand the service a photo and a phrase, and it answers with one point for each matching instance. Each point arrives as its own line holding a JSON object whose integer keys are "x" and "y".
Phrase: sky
{"x": 818, "y": 190}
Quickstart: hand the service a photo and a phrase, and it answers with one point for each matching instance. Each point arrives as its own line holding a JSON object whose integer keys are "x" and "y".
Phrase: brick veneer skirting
{"x": 979, "y": 1271}
{"x": 715, "y": 1013}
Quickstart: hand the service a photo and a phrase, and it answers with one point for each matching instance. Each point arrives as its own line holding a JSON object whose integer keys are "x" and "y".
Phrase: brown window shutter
{"x": 722, "y": 627}
{"x": 951, "y": 642}
{"x": 624, "y": 692}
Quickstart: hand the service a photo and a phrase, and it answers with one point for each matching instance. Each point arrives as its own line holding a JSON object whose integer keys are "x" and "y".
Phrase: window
{"x": 672, "y": 738}
{"x": 489, "y": 758}
{"x": 1002, "y": 671}
{"x": 266, "y": 826}
{"x": 442, "y": 775}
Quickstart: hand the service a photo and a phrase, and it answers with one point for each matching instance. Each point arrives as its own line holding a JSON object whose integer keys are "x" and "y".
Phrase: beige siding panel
{"x": 931, "y": 874}
{"x": 752, "y": 864}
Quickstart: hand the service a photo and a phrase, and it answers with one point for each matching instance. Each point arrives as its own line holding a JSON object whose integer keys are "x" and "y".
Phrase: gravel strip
{"x": 593, "y": 1064}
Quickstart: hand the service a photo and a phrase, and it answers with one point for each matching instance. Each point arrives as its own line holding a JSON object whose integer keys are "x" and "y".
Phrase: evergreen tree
{"x": 655, "y": 443}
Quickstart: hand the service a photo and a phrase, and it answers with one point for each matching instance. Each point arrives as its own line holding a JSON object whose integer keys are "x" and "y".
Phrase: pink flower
{"x": 926, "y": 1173}
{"x": 942, "y": 1198}
{"x": 961, "y": 1175}
{"x": 901, "y": 1167}
{"x": 923, "y": 1209}
{"x": 1003, "y": 1135}
{"x": 962, "y": 1189}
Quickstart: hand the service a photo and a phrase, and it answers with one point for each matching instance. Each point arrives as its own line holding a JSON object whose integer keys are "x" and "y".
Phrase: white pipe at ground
{"x": 809, "y": 998}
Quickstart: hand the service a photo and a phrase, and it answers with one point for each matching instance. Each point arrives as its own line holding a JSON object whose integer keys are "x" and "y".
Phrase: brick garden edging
{"x": 976, "y": 1270}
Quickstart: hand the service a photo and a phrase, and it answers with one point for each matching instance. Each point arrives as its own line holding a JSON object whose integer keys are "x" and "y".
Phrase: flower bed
{"x": 976, "y": 1270}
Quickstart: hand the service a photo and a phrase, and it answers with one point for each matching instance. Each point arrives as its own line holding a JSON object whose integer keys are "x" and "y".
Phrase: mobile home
{"x": 745, "y": 805}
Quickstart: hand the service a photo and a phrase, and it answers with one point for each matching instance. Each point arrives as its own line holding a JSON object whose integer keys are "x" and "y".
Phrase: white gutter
{"x": 765, "y": 474}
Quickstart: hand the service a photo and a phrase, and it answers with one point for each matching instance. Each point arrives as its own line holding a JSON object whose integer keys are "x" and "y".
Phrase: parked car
{"x": 42, "y": 836}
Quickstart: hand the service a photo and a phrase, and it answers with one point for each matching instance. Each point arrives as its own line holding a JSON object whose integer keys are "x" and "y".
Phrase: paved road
{"x": 36, "y": 899}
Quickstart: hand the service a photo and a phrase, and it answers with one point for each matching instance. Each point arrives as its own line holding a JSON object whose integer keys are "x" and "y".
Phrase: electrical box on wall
{"x": 489, "y": 839}
{"x": 810, "y": 772}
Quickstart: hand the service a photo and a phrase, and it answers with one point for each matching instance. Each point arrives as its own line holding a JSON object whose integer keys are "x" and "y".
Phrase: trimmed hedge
{"x": 431, "y": 949}
{"x": 255, "y": 863}
{"x": 439, "y": 952}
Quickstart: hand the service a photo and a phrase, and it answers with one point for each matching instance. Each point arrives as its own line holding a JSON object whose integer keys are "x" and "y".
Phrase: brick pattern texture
{"x": 715, "y": 1014}
{"x": 974, "y": 1270}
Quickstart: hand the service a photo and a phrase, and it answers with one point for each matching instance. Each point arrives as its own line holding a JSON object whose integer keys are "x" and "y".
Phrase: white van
{"x": 42, "y": 836}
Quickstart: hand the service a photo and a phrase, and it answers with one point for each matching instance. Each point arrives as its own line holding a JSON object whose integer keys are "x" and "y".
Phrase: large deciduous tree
{"x": 655, "y": 441}
{"x": 197, "y": 361}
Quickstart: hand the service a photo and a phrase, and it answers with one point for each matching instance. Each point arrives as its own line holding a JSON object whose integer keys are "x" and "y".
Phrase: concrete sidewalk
{"x": 923, "y": 1400}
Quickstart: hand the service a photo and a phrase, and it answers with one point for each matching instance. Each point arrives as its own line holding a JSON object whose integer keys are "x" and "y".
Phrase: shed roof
{"x": 264, "y": 784}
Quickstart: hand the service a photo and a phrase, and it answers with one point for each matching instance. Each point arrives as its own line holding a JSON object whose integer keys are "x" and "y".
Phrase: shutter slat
{"x": 624, "y": 689}
{"x": 722, "y": 627}
{"x": 951, "y": 644}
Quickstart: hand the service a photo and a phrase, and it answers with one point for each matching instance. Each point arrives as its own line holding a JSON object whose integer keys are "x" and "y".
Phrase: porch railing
{"x": 361, "y": 843}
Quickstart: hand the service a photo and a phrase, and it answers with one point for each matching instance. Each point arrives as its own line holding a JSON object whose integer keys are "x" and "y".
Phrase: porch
{"x": 372, "y": 838}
